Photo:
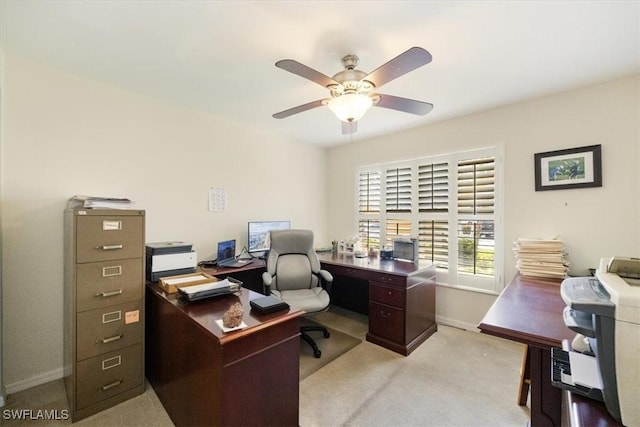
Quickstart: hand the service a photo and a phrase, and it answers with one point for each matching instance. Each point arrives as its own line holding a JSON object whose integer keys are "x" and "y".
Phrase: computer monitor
{"x": 258, "y": 234}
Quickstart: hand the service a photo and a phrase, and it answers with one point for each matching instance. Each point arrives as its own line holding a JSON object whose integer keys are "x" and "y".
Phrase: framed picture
{"x": 571, "y": 168}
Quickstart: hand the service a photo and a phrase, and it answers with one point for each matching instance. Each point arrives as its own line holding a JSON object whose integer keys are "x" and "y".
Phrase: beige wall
{"x": 65, "y": 135}
{"x": 593, "y": 222}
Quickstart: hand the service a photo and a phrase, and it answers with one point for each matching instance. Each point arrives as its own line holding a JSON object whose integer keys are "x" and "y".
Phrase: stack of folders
{"x": 94, "y": 202}
{"x": 541, "y": 257}
{"x": 208, "y": 290}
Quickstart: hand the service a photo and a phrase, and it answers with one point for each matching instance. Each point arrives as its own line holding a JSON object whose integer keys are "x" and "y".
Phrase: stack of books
{"x": 93, "y": 202}
{"x": 541, "y": 258}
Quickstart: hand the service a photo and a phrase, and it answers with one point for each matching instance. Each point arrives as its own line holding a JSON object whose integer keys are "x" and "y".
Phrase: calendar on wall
{"x": 217, "y": 199}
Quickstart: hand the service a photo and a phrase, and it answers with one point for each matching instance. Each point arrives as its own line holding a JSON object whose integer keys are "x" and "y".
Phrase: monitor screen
{"x": 258, "y": 235}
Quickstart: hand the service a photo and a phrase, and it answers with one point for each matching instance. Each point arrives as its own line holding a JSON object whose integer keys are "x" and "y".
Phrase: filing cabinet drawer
{"x": 386, "y": 295}
{"x": 108, "y": 329}
{"x": 101, "y": 238}
{"x": 101, "y": 284}
{"x": 386, "y": 322}
{"x": 107, "y": 375}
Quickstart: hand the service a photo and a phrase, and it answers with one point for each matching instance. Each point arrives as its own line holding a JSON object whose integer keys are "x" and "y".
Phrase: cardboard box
{"x": 171, "y": 284}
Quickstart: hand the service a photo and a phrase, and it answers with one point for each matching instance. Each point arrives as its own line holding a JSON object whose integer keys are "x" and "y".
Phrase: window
{"x": 449, "y": 203}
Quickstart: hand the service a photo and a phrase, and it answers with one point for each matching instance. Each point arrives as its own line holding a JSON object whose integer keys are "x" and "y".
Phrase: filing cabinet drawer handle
{"x": 110, "y": 294}
{"x": 111, "y": 339}
{"x": 110, "y": 386}
{"x": 109, "y": 247}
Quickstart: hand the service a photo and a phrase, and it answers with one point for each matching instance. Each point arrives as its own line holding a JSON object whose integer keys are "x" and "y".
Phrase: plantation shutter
{"x": 396, "y": 228}
{"x": 476, "y": 186}
{"x": 369, "y": 233}
{"x": 398, "y": 187}
{"x": 369, "y": 192}
{"x": 433, "y": 187}
{"x": 434, "y": 242}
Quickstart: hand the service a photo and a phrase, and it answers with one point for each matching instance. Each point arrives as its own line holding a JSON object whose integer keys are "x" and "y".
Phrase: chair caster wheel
{"x": 327, "y": 334}
{"x": 317, "y": 354}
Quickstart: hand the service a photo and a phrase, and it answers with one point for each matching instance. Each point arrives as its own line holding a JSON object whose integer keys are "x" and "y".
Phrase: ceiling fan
{"x": 352, "y": 90}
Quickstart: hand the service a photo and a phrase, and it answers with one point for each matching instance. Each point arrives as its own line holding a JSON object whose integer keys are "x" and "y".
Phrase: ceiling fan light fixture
{"x": 350, "y": 107}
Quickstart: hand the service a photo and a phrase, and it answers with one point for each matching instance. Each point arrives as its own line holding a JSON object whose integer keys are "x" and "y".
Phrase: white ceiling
{"x": 218, "y": 56}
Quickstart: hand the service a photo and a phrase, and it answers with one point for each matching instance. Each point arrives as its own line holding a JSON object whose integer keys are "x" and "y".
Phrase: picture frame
{"x": 579, "y": 167}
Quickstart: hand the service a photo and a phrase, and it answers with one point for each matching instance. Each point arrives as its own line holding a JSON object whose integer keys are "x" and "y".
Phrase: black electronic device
{"x": 268, "y": 304}
{"x": 258, "y": 234}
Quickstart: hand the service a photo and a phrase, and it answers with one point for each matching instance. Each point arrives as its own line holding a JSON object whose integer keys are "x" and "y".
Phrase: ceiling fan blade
{"x": 299, "y": 109}
{"x": 398, "y": 66}
{"x": 349, "y": 127}
{"x": 303, "y": 71}
{"x": 404, "y": 104}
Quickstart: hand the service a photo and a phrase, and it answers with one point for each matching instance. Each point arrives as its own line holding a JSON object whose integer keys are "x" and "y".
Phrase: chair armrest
{"x": 267, "y": 280}
{"x": 326, "y": 279}
{"x": 325, "y": 276}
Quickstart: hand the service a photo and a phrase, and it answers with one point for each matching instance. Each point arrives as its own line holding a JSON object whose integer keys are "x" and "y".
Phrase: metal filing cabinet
{"x": 104, "y": 308}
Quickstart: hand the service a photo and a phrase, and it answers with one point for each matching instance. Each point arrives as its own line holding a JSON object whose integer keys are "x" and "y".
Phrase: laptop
{"x": 227, "y": 255}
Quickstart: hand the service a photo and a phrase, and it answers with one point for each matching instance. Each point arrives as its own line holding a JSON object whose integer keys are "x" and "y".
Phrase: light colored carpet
{"x": 455, "y": 378}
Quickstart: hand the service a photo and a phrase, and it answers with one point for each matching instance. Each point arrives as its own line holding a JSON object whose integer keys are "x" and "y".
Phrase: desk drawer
{"x": 101, "y": 284}
{"x": 355, "y": 273}
{"x": 104, "y": 376}
{"x": 390, "y": 279}
{"x": 387, "y": 295}
{"x": 386, "y": 322}
{"x": 108, "y": 329}
{"x": 101, "y": 238}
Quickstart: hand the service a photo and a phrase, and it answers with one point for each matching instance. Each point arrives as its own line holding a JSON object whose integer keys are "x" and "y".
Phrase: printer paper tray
{"x": 559, "y": 365}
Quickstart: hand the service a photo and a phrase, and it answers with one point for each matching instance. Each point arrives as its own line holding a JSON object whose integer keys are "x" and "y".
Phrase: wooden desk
{"x": 399, "y": 297}
{"x": 203, "y": 376}
{"x": 529, "y": 310}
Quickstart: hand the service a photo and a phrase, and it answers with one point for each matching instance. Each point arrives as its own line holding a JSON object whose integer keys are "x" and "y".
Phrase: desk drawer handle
{"x": 109, "y": 247}
{"x": 384, "y": 313}
{"x": 110, "y": 294}
{"x": 110, "y": 339}
{"x": 110, "y": 386}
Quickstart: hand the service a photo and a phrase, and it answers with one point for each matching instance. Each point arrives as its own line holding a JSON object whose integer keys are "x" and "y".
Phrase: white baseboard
{"x": 43, "y": 378}
{"x": 442, "y": 320}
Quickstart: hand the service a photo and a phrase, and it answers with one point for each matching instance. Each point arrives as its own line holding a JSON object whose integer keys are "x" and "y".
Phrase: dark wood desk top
{"x": 399, "y": 268}
{"x": 529, "y": 310}
{"x": 206, "y": 312}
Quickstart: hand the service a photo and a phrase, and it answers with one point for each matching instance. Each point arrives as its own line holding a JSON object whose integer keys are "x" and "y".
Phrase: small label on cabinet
{"x": 131, "y": 317}
{"x": 110, "y": 225}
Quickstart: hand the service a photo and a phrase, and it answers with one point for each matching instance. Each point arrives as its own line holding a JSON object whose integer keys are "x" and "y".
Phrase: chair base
{"x": 303, "y": 334}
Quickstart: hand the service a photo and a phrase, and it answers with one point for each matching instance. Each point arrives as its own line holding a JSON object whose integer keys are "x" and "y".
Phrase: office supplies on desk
{"x": 227, "y": 255}
{"x": 208, "y": 290}
{"x": 606, "y": 309}
{"x": 170, "y": 284}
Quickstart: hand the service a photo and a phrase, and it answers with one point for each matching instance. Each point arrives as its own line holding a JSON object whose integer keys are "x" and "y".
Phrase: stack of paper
{"x": 541, "y": 257}
{"x": 92, "y": 202}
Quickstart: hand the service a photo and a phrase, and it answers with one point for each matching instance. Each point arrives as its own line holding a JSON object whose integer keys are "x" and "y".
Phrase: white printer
{"x": 605, "y": 311}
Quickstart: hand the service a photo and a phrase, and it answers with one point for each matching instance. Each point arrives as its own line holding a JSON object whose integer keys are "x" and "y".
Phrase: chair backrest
{"x": 292, "y": 260}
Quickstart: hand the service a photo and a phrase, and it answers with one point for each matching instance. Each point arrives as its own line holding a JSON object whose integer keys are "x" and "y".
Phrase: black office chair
{"x": 294, "y": 275}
